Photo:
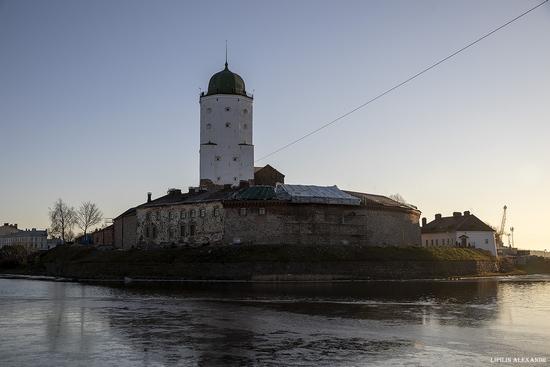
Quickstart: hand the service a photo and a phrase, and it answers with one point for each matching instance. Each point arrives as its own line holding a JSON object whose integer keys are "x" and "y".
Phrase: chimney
{"x": 457, "y": 214}
{"x": 15, "y": 225}
{"x": 174, "y": 191}
{"x": 466, "y": 213}
{"x": 149, "y": 196}
{"x": 438, "y": 216}
{"x": 424, "y": 222}
{"x": 6, "y": 224}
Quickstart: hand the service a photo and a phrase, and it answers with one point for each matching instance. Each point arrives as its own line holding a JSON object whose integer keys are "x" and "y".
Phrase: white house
{"x": 460, "y": 230}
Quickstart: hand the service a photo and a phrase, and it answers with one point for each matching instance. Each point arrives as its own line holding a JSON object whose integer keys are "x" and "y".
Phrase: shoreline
{"x": 150, "y": 281}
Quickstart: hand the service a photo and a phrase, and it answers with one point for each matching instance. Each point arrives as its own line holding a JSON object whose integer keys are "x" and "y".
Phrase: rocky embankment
{"x": 269, "y": 263}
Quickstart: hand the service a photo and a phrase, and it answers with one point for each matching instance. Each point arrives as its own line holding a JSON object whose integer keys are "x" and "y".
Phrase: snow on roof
{"x": 315, "y": 194}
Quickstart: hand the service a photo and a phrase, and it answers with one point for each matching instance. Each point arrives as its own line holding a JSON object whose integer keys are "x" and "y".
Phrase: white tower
{"x": 226, "y": 152}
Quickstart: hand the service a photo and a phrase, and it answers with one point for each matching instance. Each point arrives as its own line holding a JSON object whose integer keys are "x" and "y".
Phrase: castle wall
{"x": 313, "y": 224}
{"x": 189, "y": 223}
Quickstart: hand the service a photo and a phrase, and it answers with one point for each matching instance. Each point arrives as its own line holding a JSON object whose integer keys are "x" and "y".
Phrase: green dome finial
{"x": 226, "y": 82}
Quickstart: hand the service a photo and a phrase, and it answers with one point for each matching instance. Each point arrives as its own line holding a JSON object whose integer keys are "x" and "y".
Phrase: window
{"x": 245, "y": 126}
{"x": 192, "y": 213}
{"x": 208, "y": 126}
{"x": 170, "y": 215}
{"x": 227, "y": 109}
{"x": 235, "y": 178}
{"x": 182, "y": 231}
{"x": 235, "y": 159}
{"x": 218, "y": 158}
{"x": 245, "y": 111}
{"x": 219, "y": 178}
{"x": 154, "y": 232}
{"x": 191, "y": 230}
{"x": 209, "y": 110}
{"x": 437, "y": 242}
{"x": 216, "y": 211}
{"x": 228, "y": 124}
{"x": 183, "y": 214}
{"x": 426, "y": 243}
{"x": 432, "y": 242}
{"x": 486, "y": 241}
{"x": 202, "y": 213}
{"x": 242, "y": 211}
{"x": 261, "y": 211}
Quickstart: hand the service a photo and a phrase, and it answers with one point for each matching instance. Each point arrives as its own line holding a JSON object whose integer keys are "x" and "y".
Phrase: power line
{"x": 387, "y": 91}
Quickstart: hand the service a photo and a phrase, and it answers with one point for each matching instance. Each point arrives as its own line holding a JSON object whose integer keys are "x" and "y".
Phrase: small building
{"x": 267, "y": 175}
{"x": 103, "y": 236}
{"x": 125, "y": 227}
{"x": 459, "y": 230}
{"x": 32, "y": 239}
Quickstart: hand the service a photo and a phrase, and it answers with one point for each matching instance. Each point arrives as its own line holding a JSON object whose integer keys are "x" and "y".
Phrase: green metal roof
{"x": 256, "y": 193}
{"x": 226, "y": 82}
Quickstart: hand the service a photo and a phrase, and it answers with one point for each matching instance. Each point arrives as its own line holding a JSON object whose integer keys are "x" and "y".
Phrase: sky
{"x": 99, "y": 101}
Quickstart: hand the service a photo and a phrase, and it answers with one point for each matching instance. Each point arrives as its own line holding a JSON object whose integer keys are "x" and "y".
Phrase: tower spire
{"x": 226, "y": 54}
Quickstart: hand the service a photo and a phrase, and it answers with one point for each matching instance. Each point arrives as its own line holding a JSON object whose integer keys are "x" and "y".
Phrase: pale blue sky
{"x": 99, "y": 101}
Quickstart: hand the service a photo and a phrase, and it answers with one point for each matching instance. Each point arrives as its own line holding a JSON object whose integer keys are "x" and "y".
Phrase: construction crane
{"x": 501, "y": 233}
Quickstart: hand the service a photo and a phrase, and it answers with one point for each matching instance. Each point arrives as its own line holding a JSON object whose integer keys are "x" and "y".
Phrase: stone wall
{"x": 189, "y": 223}
{"x": 314, "y": 224}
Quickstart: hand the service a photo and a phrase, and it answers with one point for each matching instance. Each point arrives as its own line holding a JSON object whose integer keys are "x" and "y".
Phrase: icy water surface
{"x": 425, "y": 323}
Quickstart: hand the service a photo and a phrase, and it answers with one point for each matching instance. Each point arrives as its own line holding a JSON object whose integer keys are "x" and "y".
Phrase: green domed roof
{"x": 226, "y": 82}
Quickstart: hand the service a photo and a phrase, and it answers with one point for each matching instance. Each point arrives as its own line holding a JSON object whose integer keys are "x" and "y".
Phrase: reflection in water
{"x": 210, "y": 324}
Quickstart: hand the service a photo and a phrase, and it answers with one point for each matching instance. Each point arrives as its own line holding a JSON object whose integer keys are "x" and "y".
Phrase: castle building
{"x": 226, "y": 150}
{"x": 237, "y": 203}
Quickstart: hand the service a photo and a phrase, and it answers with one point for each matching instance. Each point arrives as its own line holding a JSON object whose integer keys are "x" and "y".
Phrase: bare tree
{"x": 88, "y": 215}
{"x": 63, "y": 219}
{"x": 397, "y": 197}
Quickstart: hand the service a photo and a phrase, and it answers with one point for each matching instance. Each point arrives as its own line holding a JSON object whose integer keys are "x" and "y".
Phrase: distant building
{"x": 32, "y": 239}
{"x": 125, "y": 227}
{"x": 268, "y": 175}
{"x": 103, "y": 236}
{"x": 459, "y": 231}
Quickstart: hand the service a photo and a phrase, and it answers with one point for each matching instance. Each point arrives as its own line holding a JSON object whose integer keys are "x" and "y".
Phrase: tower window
{"x": 209, "y": 126}
{"x": 245, "y": 111}
{"x": 235, "y": 159}
{"x": 235, "y": 178}
{"x": 218, "y": 158}
{"x": 209, "y": 110}
{"x": 227, "y": 109}
{"x": 219, "y": 178}
{"x": 245, "y": 126}
{"x": 228, "y": 124}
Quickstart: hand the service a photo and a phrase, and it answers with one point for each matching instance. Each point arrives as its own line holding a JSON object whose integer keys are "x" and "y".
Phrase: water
{"x": 427, "y": 323}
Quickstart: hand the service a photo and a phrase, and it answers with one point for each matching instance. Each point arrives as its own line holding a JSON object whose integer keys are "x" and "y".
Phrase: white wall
{"x": 480, "y": 239}
{"x": 232, "y": 158}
